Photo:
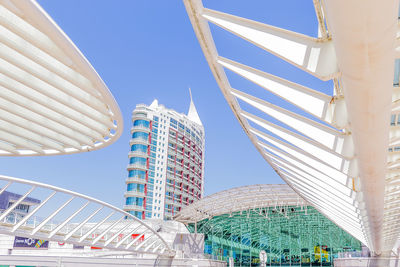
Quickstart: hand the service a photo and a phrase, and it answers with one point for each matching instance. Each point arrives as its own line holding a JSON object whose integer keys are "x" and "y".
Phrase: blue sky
{"x": 147, "y": 49}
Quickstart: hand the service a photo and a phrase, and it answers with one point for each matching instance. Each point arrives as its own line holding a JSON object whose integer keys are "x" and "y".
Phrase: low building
{"x": 243, "y": 221}
{"x": 7, "y": 199}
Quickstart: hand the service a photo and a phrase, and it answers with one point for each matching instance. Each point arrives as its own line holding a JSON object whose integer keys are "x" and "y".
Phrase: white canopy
{"x": 52, "y": 101}
{"x": 240, "y": 199}
{"x": 339, "y": 151}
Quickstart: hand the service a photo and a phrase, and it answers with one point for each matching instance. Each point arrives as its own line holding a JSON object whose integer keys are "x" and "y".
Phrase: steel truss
{"x": 81, "y": 220}
{"x": 52, "y": 101}
{"x": 341, "y": 157}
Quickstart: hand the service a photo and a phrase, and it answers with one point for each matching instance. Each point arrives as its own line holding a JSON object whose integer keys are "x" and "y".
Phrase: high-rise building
{"x": 166, "y": 161}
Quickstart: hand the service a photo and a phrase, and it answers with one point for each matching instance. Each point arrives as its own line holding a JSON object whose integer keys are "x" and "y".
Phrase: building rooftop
{"x": 240, "y": 199}
{"x": 192, "y": 114}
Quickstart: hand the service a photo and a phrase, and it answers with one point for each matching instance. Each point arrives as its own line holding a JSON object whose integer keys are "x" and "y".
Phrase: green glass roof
{"x": 287, "y": 233}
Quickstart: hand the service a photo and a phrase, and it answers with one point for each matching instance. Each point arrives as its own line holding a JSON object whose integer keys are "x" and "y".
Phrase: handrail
{"x": 20, "y": 228}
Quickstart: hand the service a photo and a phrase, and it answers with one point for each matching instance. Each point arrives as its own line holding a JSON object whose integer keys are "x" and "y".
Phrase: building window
{"x": 138, "y": 160}
{"x": 137, "y": 174}
{"x": 135, "y": 187}
{"x": 142, "y": 123}
{"x": 141, "y": 135}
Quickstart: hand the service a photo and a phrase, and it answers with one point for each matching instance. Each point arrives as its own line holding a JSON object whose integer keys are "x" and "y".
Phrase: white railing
{"x": 140, "y": 115}
{"x": 133, "y": 207}
{"x": 138, "y": 140}
{"x": 134, "y": 194}
{"x": 350, "y": 254}
{"x": 112, "y": 260}
{"x": 138, "y": 153}
{"x": 135, "y": 180}
{"x": 83, "y": 220}
{"x": 137, "y": 166}
{"x": 139, "y": 127}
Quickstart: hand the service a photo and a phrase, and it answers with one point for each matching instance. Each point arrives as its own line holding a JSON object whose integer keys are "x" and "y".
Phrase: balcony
{"x": 171, "y": 136}
{"x": 139, "y": 128}
{"x": 179, "y": 204}
{"x": 135, "y": 180}
{"x": 133, "y": 207}
{"x": 170, "y": 176}
{"x": 185, "y": 182}
{"x": 184, "y": 194}
{"x": 178, "y": 167}
{"x": 134, "y": 194}
{"x": 186, "y": 170}
{"x": 140, "y": 115}
{"x": 170, "y": 188}
{"x": 139, "y": 140}
{"x": 138, "y": 154}
{"x": 136, "y": 166}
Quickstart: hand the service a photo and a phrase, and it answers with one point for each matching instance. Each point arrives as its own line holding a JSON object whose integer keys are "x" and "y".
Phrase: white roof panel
{"x": 52, "y": 101}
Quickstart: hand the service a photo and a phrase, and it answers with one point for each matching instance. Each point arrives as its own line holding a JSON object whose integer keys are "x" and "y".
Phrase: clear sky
{"x": 147, "y": 49}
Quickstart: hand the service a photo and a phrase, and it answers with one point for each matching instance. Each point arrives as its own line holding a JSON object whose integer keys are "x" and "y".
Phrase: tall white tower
{"x": 166, "y": 161}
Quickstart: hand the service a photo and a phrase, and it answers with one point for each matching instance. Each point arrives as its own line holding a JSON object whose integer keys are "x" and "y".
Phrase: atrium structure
{"x": 337, "y": 150}
{"x": 240, "y": 222}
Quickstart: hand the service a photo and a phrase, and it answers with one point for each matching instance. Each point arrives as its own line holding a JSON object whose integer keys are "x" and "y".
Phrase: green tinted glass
{"x": 296, "y": 236}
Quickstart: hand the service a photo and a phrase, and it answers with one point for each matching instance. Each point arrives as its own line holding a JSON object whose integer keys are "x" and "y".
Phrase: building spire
{"x": 154, "y": 104}
{"x": 192, "y": 114}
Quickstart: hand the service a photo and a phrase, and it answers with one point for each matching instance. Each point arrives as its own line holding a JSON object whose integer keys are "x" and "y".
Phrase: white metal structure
{"x": 245, "y": 198}
{"x": 337, "y": 156}
{"x": 30, "y": 260}
{"x": 82, "y": 220}
{"x": 56, "y": 261}
{"x": 52, "y": 101}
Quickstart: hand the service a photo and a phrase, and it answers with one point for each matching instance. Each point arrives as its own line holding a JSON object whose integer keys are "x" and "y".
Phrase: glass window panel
{"x": 291, "y": 235}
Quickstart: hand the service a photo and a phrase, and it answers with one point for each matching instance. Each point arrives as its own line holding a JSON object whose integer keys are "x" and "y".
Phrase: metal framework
{"x": 336, "y": 157}
{"x": 52, "y": 101}
{"x": 242, "y": 221}
{"x": 240, "y": 199}
{"x": 67, "y": 216}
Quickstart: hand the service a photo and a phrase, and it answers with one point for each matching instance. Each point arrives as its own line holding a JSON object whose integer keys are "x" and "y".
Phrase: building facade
{"x": 166, "y": 161}
{"x": 7, "y": 199}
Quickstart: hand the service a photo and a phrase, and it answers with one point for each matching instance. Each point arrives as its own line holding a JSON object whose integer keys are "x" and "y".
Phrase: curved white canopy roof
{"x": 339, "y": 151}
{"x": 67, "y": 216}
{"x": 52, "y": 101}
{"x": 240, "y": 199}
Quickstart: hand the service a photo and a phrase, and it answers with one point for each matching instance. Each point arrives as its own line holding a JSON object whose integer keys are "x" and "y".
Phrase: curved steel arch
{"x": 343, "y": 153}
{"x": 240, "y": 199}
{"x": 125, "y": 233}
{"x": 52, "y": 101}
